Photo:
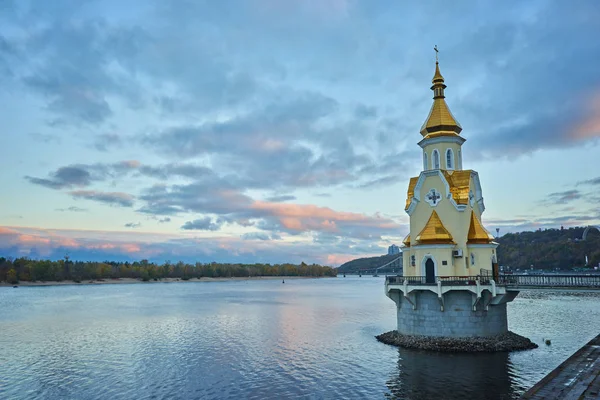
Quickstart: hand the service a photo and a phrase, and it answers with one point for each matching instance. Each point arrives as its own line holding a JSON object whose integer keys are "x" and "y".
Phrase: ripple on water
{"x": 258, "y": 340}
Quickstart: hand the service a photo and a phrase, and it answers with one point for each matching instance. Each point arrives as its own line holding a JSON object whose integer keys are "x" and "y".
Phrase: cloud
{"x": 304, "y": 218}
{"x": 203, "y": 224}
{"x": 132, "y": 225}
{"x": 257, "y": 236}
{"x": 40, "y": 243}
{"x": 72, "y": 209}
{"x": 275, "y": 98}
{"x": 564, "y": 197}
{"x": 45, "y": 138}
{"x": 164, "y": 220}
{"x": 73, "y": 70}
{"x": 594, "y": 181}
{"x": 82, "y": 175}
{"x": 224, "y": 200}
{"x": 110, "y": 198}
{"x": 281, "y": 198}
{"x": 88, "y": 245}
{"x": 257, "y": 131}
{"x": 64, "y": 177}
{"x": 383, "y": 181}
{"x": 589, "y": 126}
{"x": 578, "y": 217}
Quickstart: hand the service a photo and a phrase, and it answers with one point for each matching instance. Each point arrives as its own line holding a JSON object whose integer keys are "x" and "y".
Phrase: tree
{"x": 11, "y": 276}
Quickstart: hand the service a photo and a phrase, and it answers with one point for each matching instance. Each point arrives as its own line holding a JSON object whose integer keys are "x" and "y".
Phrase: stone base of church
{"x": 424, "y": 316}
{"x": 456, "y": 317}
{"x": 508, "y": 341}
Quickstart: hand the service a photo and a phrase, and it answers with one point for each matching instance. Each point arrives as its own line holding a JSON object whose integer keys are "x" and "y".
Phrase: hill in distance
{"x": 366, "y": 263}
{"x": 548, "y": 249}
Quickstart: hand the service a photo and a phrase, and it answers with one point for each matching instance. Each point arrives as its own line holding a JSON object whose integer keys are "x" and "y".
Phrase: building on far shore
{"x": 447, "y": 287}
{"x": 393, "y": 249}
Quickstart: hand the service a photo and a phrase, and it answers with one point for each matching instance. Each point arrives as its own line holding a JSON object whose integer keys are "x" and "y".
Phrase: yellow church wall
{"x": 442, "y": 147}
{"x": 457, "y": 223}
{"x": 482, "y": 257}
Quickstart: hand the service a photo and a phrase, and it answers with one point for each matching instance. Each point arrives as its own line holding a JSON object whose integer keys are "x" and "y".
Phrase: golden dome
{"x": 477, "y": 233}
{"x": 434, "y": 231}
{"x": 440, "y": 121}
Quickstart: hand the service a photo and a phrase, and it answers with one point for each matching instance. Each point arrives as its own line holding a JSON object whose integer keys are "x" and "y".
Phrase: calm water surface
{"x": 310, "y": 339}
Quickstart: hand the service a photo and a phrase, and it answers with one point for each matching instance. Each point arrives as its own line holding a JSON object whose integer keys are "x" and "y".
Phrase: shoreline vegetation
{"x": 46, "y": 272}
{"x": 162, "y": 280}
{"x": 508, "y": 341}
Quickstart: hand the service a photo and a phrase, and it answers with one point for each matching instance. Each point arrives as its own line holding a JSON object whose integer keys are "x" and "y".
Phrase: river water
{"x": 307, "y": 338}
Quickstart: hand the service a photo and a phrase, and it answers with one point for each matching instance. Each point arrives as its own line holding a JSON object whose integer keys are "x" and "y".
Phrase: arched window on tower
{"x": 436, "y": 159}
{"x": 459, "y": 160}
{"x": 449, "y": 159}
{"x": 425, "y": 166}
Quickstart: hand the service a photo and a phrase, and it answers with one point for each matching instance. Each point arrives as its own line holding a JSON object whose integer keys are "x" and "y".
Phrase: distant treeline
{"x": 549, "y": 249}
{"x": 25, "y": 269}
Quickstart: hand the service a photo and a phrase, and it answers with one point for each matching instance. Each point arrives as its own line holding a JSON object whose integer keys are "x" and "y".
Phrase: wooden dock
{"x": 578, "y": 378}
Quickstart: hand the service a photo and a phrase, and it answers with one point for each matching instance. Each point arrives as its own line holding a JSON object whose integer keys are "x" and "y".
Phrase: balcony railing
{"x": 445, "y": 280}
{"x": 517, "y": 281}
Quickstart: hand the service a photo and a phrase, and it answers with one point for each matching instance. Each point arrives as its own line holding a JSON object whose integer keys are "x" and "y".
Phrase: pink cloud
{"x": 131, "y": 164}
{"x": 590, "y": 126}
{"x": 66, "y": 242}
{"x": 6, "y": 231}
{"x": 90, "y": 245}
{"x": 30, "y": 239}
{"x": 308, "y": 217}
{"x": 306, "y": 210}
{"x": 131, "y": 248}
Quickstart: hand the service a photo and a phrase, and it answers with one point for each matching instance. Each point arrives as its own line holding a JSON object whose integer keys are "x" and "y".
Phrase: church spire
{"x": 438, "y": 83}
{"x": 440, "y": 121}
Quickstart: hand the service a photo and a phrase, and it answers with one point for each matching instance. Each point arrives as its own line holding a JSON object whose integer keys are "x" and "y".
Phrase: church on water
{"x": 445, "y": 203}
{"x": 448, "y": 287}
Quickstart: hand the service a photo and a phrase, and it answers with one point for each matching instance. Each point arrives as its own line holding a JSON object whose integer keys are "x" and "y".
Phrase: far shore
{"x": 163, "y": 280}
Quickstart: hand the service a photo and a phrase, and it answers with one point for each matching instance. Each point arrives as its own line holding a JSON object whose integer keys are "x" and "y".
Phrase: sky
{"x": 275, "y": 131}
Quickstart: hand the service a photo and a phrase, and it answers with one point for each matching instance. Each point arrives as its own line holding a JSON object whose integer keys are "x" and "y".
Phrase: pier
{"x": 577, "y": 378}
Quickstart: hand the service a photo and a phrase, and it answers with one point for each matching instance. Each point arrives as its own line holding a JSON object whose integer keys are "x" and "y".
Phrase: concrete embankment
{"x": 576, "y": 378}
{"x": 509, "y": 341}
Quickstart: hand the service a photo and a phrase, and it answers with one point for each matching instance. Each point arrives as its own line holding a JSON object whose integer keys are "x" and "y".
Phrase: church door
{"x": 429, "y": 271}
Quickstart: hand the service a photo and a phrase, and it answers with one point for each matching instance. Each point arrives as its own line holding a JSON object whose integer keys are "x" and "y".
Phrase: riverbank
{"x": 164, "y": 280}
{"x": 509, "y": 341}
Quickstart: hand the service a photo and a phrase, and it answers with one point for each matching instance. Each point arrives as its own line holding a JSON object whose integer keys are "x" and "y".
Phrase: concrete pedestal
{"x": 456, "y": 312}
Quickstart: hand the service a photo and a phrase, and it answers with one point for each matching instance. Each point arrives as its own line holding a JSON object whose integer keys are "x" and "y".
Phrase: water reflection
{"x": 427, "y": 375}
{"x": 258, "y": 340}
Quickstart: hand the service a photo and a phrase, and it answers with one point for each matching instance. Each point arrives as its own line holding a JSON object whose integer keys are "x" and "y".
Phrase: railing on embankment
{"x": 551, "y": 281}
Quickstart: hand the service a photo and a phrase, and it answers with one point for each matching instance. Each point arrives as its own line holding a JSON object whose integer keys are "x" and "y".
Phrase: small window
{"x": 449, "y": 159}
{"x": 412, "y": 260}
{"x": 444, "y": 262}
{"x": 436, "y": 159}
{"x": 459, "y": 161}
{"x": 472, "y": 258}
{"x": 425, "y": 161}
